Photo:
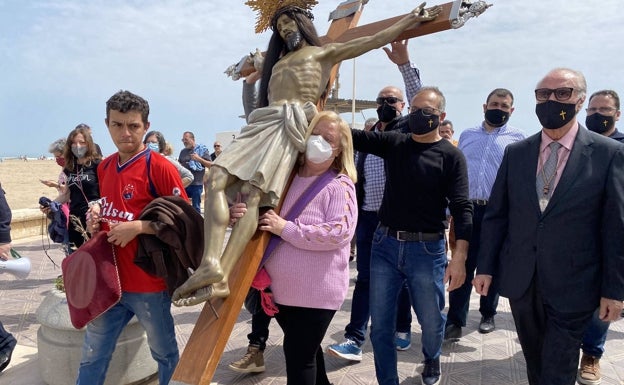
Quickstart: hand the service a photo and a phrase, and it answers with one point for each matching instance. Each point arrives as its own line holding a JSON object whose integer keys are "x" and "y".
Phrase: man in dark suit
{"x": 553, "y": 232}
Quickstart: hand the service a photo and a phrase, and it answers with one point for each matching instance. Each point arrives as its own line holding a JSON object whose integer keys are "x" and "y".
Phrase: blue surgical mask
{"x": 153, "y": 146}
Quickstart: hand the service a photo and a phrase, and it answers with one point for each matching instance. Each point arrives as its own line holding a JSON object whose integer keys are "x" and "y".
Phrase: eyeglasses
{"x": 390, "y": 100}
{"x": 602, "y": 110}
{"x": 82, "y": 125}
{"x": 561, "y": 94}
{"x": 217, "y": 145}
{"x": 427, "y": 111}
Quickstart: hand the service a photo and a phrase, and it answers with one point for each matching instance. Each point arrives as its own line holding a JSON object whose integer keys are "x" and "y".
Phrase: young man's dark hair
{"x": 124, "y": 101}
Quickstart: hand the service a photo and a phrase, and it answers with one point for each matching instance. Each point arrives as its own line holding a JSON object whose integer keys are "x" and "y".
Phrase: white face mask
{"x": 318, "y": 150}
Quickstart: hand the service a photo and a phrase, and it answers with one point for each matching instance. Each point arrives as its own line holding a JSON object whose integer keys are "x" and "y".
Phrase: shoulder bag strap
{"x": 305, "y": 198}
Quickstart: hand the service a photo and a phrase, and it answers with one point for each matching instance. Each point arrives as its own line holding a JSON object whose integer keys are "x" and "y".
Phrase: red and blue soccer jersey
{"x": 125, "y": 191}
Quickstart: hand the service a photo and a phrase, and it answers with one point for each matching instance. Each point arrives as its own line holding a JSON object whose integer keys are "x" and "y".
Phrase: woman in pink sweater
{"x": 309, "y": 269}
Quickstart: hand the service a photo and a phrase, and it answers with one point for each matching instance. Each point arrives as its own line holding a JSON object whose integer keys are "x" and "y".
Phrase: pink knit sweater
{"x": 310, "y": 267}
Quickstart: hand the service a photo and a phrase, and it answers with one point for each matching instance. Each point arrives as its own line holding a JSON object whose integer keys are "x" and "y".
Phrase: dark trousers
{"x": 550, "y": 339}
{"x": 360, "y": 308}
{"x": 304, "y": 329}
{"x": 459, "y": 299}
{"x": 259, "y": 329}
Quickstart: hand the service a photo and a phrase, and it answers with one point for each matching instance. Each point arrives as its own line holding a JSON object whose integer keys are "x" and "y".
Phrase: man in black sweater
{"x": 424, "y": 175}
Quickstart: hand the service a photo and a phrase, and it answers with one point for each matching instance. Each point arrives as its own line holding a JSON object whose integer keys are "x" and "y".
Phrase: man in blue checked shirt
{"x": 483, "y": 146}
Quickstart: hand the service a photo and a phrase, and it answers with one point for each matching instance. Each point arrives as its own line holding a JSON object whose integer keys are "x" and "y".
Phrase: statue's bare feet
{"x": 206, "y": 274}
{"x": 216, "y": 290}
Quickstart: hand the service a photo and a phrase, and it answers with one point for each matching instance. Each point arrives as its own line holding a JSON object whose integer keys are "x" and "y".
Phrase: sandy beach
{"x": 20, "y": 181}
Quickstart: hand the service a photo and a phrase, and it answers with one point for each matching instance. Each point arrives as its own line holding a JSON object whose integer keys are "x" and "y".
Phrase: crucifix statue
{"x": 296, "y": 74}
{"x": 296, "y": 79}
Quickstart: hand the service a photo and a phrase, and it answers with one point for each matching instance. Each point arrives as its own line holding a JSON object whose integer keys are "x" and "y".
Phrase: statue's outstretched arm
{"x": 337, "y": 52}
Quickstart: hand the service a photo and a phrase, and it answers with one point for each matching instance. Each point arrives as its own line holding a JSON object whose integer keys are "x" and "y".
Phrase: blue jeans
{"x": 595, "y": 336}
{"x": 422, "y": 265}
{"x": 194, "y": 192}
{"x": 153, "y": 310}
{"x": 459, "y": 299}
{"x": 360, "y": 311}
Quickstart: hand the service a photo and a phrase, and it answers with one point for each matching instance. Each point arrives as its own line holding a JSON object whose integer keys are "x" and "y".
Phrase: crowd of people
{"x": 538, "y": 219}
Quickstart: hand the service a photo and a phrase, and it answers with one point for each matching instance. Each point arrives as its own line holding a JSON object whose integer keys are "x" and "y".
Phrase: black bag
{"x": 253, "y": 302}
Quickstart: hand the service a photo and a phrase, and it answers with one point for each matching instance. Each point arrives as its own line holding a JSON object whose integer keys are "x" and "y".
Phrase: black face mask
{"x": 386, "y": 113}
{"x": 420, "y": 124}
{"x": 599, "y": 123}
{"x": 496, "y": 118}
{"x": 553, "y": 114}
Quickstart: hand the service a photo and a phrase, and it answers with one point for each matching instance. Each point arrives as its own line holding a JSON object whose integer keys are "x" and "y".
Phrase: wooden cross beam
{"x": 209, "y": 336}
{"x": 205, "y": 346}
{"x": 450, "y": 13}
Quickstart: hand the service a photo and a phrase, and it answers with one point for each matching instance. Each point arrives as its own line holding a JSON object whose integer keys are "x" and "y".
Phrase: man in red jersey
{"x": 129, "y": 180}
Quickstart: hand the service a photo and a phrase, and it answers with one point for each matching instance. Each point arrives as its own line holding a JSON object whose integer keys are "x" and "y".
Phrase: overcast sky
{"x": 61, "y": 60}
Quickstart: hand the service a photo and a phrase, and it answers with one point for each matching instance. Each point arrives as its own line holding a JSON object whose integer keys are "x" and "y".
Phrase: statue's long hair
{"x": 277, "y": 48}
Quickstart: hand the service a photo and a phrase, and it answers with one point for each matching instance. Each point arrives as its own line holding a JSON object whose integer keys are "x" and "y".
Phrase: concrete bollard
{"x": 60, "y": 344}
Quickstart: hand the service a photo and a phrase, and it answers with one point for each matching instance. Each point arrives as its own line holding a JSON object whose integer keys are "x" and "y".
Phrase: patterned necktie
{"x": 546, "y": 177}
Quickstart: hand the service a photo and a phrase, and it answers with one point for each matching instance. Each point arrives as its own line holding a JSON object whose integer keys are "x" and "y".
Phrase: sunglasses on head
{"x": 390, "y": 100}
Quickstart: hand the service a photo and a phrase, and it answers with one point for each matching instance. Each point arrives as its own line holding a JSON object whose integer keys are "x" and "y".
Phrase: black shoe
{"x": 431, "y": 373}
{"x": 487, "y": 325}
{"x": 5, "y": 359}
{"x": 452, "y": 332}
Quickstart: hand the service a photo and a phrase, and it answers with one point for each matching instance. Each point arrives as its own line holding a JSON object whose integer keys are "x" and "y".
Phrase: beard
{"x": 294, "y": 41}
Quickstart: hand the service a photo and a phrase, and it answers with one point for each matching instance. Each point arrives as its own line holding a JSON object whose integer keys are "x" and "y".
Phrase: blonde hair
{"x": 168, "y": 150}
{"x": 343, "y": 163}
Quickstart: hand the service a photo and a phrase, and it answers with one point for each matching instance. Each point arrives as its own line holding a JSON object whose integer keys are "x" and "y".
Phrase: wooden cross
{"x": 205, "y": 346}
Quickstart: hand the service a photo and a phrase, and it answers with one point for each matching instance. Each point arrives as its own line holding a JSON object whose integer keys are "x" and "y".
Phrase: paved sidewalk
{"x": 491, "y": 359}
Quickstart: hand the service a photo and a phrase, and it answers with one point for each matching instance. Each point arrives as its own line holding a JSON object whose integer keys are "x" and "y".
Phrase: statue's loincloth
{"x": 266, "y": 150}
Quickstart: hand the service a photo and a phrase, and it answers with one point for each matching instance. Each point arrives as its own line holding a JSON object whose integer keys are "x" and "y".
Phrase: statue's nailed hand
{"x": 426, "y": 14}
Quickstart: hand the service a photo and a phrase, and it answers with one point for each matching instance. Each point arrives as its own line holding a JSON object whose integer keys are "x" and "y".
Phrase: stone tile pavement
{"x": 476, "y": 359}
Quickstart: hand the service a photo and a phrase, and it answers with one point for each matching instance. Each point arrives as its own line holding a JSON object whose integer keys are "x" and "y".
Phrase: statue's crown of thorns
{"x": 268, "y": 9}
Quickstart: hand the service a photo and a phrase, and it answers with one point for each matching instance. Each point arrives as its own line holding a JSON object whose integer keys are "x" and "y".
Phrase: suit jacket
{"x": 575, "y": 248}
